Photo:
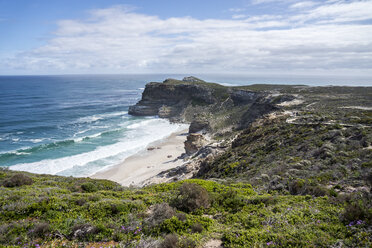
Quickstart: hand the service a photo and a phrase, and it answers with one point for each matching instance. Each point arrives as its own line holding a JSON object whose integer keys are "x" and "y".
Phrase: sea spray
{"x": 133, "y": 140}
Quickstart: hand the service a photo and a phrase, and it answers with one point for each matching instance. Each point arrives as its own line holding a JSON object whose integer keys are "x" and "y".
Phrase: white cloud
{"x": 303, "y": 5}
{"x": 339, "y": 11}
{"x": 237, "y": 9}
{"x": 118, "y": 40}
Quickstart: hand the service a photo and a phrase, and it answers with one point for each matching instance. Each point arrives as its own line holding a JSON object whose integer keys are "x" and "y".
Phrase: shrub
{"x": 160, "y": 212}
{"x": 297, "y": 187}
{"x": 163, "y": 211}
{"x": 170, "y": 241}
{"x": 89, "y": 187}
{"x": 94, "y": 198}
{"x": 266, "y": 200}
{"x": 181, "y": 216}
{"x": 333, "y": 192}
{"x": 231, "y": 200}
{"x": 80, "y": 201}
{"x": 300, "y": 187}
{"x": 357, "y": 211}
{"x": 18, "y": 180}
{"x": 39, "y": 230}
{"x": 174, "y": 225}
{"x": 186, "y": 243}
{"x": 192, "y": 197}
{"x": 197, "y": 228}
{"x": 317, "y": 191}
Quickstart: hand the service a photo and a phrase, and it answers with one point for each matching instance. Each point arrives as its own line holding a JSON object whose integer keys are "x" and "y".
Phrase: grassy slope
{"x": 52, "y": 210}
{"x": 274, "y": 152}
{"x": 325, "y": 143}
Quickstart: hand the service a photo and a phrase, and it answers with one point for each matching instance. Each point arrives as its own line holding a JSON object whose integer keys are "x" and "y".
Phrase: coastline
{"x": 157, "y": 157}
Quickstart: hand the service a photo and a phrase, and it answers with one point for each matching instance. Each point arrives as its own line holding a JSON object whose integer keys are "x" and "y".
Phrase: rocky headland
{"x": 205, "y": 105}
{"x": 271, "y": 136}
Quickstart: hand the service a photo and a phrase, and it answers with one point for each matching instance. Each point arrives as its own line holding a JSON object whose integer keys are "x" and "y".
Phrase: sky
{"x": 329, "y": 37}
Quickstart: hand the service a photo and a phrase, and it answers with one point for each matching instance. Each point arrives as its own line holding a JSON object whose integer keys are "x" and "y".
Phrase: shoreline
{"x": 157, "y": 157}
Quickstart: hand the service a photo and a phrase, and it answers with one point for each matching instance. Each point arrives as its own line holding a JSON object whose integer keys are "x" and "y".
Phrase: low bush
{"x": 89, "y": 187}
{"x": 301, "y": 187}
{"x": 181, "y": 216}
{"x": 159, "y": 213}
{"x": 192, "y": 197}
{"x": 17, "y": 180}
{"x": 358, "y": 211}
{"x": 80, "y": 201}
{"x": 231, "y": 200}
{"x": 39, "y": 230}
{"x": 186, "y": 243}
{"x": 197, "y": 228}
{"x": 170, "y": 241}
{"x": 174, "y": 225}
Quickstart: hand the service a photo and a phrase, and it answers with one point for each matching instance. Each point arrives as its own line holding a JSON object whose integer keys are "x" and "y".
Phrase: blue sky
{"x": 164, "y": 36}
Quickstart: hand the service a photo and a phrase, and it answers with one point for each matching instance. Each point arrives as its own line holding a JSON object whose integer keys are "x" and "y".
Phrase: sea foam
{"x": 135, "y": 138}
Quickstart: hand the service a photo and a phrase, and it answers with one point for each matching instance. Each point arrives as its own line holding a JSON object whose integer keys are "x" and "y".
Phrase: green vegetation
{"x": 219, "y": 91}
{"x": 76, "y": 212}
{"x": 299, "y": 158}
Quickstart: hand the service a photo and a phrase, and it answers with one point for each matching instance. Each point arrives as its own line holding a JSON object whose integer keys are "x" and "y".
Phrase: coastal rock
{"x": 227, "y": 108}
{"x": 242, "y": 97}
{"x": 259, "y": 107}
{"x": 167, "y": 111}
{"x": 193, "y": 143}
{"x": 81, "y": 231}
{"x": 170, "y": 98}
{"x": 199, "y": 124}
{"x": 190, "y": 168}
{"x": 143, "y": 110}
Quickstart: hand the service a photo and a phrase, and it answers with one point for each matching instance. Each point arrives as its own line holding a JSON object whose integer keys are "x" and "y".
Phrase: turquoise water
{"x": 73, "y": 125}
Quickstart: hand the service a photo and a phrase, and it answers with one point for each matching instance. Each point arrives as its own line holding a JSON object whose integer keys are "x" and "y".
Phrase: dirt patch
{"x": 213, "y": 243}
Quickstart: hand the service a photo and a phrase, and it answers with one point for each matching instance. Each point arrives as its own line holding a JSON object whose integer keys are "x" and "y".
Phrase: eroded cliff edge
{"x": 209, "y": 106}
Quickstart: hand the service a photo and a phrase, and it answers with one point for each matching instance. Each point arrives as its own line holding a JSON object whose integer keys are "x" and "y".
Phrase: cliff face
{"x": 191, "y": 99}
{"x": 168, "y": 100}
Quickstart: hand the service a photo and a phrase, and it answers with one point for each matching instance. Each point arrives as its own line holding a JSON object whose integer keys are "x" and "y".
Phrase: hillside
{"x": 52, "y": 211}
{"x": 271, "y": 166}
{"x": 321, "y": 139}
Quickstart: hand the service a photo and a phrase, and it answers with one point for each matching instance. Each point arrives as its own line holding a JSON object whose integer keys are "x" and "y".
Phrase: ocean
{"x": 74, "y": 125}
{"x": 78, "y": 125}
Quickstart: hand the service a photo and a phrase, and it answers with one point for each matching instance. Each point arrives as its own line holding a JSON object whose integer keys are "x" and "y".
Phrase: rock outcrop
{"x": 191, "y": 167}
{"x": 170, "y": 98}
{"x": 199, "y": 124}
{"x": 194, "y": 142}
{"x": 207, "y": 106}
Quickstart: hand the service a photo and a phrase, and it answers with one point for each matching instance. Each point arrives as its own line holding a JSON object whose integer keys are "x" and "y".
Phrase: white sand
{"x": 146, "y": 164}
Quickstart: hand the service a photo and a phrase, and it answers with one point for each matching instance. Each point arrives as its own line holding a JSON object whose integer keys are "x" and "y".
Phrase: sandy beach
{"x": 157, "y": 157}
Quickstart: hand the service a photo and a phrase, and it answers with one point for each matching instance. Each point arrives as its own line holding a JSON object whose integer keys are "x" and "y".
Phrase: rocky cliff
{"x": 207, "y": 106}
{"x": 169, "y": 99}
